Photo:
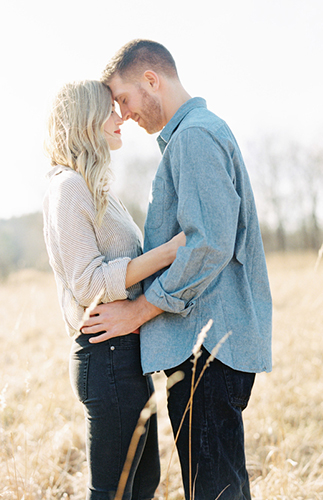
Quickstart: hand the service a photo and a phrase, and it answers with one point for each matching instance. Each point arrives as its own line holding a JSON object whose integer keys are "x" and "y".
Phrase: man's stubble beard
{"x": 150, "y": 115}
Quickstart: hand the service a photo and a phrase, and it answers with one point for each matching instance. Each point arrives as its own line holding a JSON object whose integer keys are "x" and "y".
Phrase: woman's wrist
{"x": 169, "y": 250}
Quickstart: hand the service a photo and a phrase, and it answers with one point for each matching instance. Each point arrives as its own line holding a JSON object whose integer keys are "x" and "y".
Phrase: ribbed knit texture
{"x": 88, "y": 261}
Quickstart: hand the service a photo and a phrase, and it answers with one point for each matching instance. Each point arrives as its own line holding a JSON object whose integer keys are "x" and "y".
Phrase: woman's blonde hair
{"x": 76, "y": 137}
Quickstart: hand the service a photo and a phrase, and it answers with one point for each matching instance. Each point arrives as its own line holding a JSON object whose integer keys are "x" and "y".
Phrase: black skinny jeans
{"x": 107, "y": 378}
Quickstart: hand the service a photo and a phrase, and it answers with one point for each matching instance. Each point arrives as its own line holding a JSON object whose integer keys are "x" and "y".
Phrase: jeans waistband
{"x": 130, "y": 338}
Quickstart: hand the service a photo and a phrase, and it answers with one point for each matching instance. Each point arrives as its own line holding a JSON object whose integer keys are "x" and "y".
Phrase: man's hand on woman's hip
{"x": 119, "y": 318}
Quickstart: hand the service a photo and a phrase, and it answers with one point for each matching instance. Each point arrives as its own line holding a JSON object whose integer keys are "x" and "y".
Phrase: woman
{"x": 95, "y": 251}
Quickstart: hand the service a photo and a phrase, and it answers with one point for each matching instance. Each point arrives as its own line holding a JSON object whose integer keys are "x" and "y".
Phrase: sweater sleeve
{"x": 73, "y": 248}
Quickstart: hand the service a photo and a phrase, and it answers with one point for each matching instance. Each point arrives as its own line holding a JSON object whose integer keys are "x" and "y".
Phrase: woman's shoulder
{"x": 67, "y": 191}
{"x": 67, "y": 180}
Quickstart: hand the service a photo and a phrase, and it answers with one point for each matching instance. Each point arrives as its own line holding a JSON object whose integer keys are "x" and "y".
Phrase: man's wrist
{"x": 145, "y": 309}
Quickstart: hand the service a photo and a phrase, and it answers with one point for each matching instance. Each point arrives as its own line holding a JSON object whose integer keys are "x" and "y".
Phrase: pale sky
{"x": 258, "y": 63}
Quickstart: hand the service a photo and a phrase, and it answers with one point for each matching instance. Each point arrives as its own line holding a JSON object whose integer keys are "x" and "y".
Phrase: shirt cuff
{"x": 115, "y": 277}
{"x": 157, "y": 296}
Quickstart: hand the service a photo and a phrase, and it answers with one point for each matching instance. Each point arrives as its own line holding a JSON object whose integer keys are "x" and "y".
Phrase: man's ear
{"x": 152, "y": 79}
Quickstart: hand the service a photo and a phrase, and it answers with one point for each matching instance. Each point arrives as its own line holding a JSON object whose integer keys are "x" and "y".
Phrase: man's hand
{"x": 119, "y": 318}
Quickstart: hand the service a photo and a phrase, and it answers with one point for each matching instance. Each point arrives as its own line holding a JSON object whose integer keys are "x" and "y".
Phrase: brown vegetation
{"x": 41, "y": 423}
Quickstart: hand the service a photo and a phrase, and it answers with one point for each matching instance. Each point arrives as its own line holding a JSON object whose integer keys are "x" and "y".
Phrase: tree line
{"x": 22, "y": 244}
{"x": 288, "y": 183}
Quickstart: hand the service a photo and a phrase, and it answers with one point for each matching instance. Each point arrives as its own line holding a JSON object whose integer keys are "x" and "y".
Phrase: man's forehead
{"x": 119, "y": 86}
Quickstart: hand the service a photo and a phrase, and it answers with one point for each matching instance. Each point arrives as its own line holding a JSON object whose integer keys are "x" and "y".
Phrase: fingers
{"x": 100, "y": 338}
{"x": 92, "y": 321}
{"x": 89, "y": 329}
{"x": 98, "y": 310}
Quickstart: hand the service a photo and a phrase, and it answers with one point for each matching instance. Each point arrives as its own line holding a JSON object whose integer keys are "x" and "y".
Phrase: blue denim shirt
{"x": 202, "y": 187}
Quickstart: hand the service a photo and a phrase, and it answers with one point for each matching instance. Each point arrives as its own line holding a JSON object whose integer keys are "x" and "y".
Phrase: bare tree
{"x": 288, "y": 179}
{"x": 308, "y": 180}
{"x": 270, "y": 177}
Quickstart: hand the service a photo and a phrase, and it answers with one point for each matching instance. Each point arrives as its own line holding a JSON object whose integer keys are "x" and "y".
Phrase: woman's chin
{"x": 115, "y": 145}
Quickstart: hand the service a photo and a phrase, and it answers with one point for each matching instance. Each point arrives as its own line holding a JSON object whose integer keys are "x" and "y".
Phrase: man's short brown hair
{"x": 138, "y": 56}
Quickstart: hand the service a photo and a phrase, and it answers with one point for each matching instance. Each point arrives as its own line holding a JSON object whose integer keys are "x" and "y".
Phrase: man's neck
{"x": 174, "y": 97}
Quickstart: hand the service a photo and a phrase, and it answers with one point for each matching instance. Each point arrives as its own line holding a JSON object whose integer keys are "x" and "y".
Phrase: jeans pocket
{"x": 79, "y": 369}
{"x": 239, "y": 386}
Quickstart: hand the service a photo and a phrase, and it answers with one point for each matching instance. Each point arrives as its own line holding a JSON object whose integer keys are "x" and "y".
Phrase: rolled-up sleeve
{"x": 207, "y": 212}
{"x": 74, "y": 248}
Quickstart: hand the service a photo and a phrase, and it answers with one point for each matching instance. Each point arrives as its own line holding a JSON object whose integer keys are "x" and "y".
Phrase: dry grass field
{"x": 41, "y": 423}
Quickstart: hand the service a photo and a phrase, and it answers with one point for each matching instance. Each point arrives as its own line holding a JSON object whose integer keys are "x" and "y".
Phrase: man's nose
{"x": 125, "y": 113}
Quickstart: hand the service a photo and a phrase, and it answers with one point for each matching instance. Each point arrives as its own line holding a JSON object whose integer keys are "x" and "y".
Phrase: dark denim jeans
{"x": 107, "y": 378}
{"x": 218, "y": 457}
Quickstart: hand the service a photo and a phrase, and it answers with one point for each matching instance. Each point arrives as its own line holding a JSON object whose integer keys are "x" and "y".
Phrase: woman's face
{"x": 112, "y": 129}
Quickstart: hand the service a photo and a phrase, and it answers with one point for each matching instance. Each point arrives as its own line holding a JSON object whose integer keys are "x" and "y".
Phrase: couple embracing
{"x": 202, "y": 259}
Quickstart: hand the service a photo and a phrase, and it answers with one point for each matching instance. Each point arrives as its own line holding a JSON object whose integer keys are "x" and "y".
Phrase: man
{"x": 201, "y": 187}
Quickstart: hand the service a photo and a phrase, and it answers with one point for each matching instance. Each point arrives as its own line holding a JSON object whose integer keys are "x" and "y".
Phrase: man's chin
{"x": 149, "y": 130}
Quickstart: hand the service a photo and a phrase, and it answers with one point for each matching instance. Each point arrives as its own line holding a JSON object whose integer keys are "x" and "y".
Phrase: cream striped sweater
{"x": 87, "y": 260}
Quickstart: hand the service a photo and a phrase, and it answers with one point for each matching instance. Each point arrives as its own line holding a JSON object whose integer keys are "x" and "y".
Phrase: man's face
{"x": 137, "y": 103}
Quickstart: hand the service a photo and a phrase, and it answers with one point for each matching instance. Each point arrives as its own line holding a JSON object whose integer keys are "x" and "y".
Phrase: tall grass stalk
{"x": 88, "y": 310}
{"x": 145, "y": 414}
{"x": 196, "y": 353}
{"x": 149, "y": 409}
{"x": 227, "y": 486}
{"x": 319, "y": 257}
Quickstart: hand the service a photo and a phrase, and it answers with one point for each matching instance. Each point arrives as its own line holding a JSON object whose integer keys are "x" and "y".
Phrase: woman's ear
{"x": 152, "y": 79}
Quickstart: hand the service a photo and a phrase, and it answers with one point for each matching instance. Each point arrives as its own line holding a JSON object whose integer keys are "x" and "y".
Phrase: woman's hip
{"x": 100, "y": 371}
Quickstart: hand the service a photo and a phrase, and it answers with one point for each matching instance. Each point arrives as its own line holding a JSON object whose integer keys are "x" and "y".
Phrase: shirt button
{"x": 112, "y": 348}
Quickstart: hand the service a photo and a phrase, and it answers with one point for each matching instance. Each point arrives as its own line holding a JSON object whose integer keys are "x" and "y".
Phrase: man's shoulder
{"x": 202, "y": 118}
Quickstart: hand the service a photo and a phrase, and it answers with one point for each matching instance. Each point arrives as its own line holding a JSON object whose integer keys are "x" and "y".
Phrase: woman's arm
{"x": 74, "y": 251}
{"x": 150, "y": 262}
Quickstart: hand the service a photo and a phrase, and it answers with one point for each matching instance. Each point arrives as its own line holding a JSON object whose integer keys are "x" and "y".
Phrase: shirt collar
{"x": 165, "y": 135}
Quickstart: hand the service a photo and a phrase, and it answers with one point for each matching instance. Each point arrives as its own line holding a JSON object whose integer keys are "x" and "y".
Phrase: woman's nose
{"x": 119, "y": 120}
